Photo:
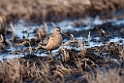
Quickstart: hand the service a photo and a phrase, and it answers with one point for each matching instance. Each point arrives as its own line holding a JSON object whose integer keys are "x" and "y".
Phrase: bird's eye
{"x": 57, "y": 29}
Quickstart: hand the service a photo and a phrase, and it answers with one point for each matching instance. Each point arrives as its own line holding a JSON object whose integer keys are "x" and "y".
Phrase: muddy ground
{"x": 77, "y": 60}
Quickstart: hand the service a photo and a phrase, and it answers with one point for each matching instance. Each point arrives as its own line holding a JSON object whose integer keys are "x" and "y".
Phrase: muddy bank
{"x": 54, "y": 10}
{"x": 92, "y": 65}
{"x": 76, "y": 61}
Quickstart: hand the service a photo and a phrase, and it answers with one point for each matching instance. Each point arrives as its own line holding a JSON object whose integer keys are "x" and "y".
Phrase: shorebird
{"x": 54, "y": 42}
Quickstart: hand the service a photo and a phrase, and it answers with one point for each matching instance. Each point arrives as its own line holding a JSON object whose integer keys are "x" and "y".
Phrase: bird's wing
{"x": 46, "y": 39}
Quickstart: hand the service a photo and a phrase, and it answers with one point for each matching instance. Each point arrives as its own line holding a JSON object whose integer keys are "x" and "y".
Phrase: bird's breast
{"x": 54, "y": 42}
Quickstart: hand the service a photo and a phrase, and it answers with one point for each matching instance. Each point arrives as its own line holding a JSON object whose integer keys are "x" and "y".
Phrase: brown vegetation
{"x": 55, "y": 9}
{"x": 91, "y": 67}
{"x": 86, "y": 65}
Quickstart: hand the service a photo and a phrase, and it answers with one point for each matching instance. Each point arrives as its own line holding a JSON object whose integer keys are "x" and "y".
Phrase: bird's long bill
{"x": 64, "y": 34}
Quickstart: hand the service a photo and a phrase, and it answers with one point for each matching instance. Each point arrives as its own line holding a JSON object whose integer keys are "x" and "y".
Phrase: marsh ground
{"x": 94, "y": 55}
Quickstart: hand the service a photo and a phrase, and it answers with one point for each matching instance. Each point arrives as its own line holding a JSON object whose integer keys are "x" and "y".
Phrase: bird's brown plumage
{"x": 54, "y": 41}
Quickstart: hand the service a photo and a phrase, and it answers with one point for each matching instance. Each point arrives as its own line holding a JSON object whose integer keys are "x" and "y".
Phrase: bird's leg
{"x": 50, "y": 53}
{"x": 37, "y": 47}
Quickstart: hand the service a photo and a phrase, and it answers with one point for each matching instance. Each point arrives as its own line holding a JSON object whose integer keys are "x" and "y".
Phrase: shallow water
{"x": 24, "y": 29}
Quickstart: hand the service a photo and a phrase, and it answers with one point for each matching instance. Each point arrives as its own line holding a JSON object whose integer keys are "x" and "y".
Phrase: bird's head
{"x": 57, "y": 30}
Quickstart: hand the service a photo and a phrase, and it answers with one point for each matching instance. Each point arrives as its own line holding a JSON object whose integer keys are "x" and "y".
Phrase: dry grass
{"x": 10, "y": 71}
{"x": 11, "y": 9}
{"x": 75, "y": 66}
{"x": 16, "y": 71}
{"x": 54, "y": 9}
{"x": 23, "y": 71}
{"x": 111, "y": 76}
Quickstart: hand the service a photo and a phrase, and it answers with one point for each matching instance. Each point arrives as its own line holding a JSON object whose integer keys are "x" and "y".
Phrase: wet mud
{"x": 92, "y": 49}
{"x": 77, "y": 60}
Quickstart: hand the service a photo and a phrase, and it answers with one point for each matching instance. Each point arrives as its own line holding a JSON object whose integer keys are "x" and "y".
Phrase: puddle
{"x": 9, "y": 56}
{"x": 23, "y": 29}
{"x": 117, "y": 39}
